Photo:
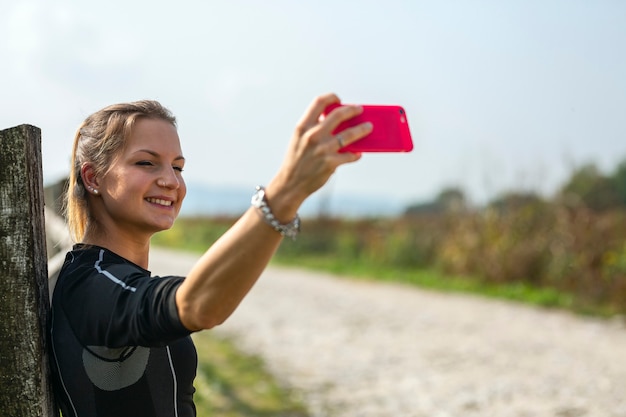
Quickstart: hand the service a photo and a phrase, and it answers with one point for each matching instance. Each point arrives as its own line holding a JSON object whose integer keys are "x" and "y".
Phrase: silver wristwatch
{"x": 290, "y": 229}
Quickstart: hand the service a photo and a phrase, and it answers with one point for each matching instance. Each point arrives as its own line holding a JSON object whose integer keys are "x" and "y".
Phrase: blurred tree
{"x": 452, "y": 200}
{"x": 619, "y": 182}
{"x": 515, "y": 200}
{"x": 449, "y": 200}
{"x": 589, "y": 187}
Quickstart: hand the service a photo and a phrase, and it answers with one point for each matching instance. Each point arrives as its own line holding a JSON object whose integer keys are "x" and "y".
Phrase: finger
{"x": 339, "y": 115}
{"x": 312, "y": 114}
{"x": 352, "y": 134}
{"x": 340, "y": 158}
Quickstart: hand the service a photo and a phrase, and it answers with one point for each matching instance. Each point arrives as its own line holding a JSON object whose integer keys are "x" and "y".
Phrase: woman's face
{"x": 143, "y": 190}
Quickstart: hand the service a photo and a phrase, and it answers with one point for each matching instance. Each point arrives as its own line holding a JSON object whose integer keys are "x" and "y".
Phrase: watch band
{"x": 290, "y": 229}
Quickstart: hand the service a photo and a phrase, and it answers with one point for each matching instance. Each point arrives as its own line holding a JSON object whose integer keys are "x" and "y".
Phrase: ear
{"x": 90, "y": 180}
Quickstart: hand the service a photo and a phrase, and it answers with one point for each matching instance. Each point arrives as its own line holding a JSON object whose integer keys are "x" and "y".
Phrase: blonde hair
{"x": 98, "y": 140}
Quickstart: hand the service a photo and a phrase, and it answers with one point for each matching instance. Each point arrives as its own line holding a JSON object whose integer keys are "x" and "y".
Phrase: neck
{"x": 134, "y": 249}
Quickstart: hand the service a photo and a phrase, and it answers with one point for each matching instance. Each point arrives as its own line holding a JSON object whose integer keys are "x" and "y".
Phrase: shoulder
{"x": 84, "y": 262}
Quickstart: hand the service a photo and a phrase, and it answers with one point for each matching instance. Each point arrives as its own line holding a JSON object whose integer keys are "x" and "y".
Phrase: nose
{"x": 169, "y": 180}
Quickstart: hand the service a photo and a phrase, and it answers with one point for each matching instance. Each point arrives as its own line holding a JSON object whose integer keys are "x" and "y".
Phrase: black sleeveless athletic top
{"x": 118, "y": 346}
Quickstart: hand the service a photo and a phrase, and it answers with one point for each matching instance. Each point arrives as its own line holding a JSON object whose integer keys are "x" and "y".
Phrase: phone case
{"x": 390, "y": 132}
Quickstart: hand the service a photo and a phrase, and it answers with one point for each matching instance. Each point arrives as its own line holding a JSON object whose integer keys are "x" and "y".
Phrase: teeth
{"x": 159, "y": 201}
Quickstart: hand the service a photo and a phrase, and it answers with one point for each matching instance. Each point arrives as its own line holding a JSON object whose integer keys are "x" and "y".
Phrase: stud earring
{"x": 95, "y": 191}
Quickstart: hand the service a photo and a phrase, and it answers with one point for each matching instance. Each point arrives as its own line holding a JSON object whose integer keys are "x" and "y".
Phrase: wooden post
{"x": 25, "y": 389}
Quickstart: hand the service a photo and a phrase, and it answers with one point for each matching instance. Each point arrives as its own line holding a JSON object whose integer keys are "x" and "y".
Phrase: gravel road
{"x": 362, "y": 349}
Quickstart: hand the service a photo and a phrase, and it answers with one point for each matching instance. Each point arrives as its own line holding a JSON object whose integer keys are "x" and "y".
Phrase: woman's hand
{"x": 312, "y": 156}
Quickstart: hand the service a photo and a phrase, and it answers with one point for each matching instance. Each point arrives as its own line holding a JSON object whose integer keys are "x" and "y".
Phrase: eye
{"x": 179, "y": 169}
{"x": 145, "y": 163}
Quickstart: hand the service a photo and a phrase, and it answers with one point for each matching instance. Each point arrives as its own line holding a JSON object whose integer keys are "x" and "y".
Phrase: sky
{"x": 500, "y": 95}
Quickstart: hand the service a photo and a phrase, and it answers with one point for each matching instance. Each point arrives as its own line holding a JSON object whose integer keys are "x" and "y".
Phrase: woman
{"x": 120, "y": 337}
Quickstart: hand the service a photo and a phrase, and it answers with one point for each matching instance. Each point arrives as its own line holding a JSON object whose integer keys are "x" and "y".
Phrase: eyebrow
{"x": 156, "y": 154}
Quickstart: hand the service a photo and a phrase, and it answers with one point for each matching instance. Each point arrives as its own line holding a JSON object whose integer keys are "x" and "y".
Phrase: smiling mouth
{"x": 159, "y": 202}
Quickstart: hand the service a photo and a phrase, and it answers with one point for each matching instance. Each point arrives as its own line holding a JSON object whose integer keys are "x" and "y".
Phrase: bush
{"x": 570, "y": 249}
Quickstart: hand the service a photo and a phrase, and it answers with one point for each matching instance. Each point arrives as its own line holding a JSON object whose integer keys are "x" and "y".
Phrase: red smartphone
{"x": 390, "y": 129}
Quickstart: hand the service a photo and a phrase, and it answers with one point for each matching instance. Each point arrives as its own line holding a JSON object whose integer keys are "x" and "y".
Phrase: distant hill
{"x": 210, "y": 200}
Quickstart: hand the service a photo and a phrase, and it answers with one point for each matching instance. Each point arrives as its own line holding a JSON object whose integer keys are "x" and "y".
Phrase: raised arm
{"x": 227, "y": 271}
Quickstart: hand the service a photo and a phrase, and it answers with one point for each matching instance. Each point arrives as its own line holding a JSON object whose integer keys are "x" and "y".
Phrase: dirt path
{"x": 367, "y": 349}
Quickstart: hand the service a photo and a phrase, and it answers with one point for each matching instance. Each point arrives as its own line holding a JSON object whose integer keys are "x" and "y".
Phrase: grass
{"x": 433, "y": 279}
{"x": 232, "y": 384}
